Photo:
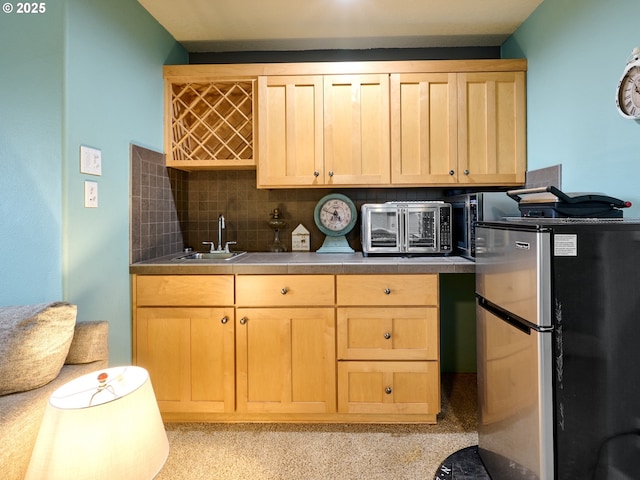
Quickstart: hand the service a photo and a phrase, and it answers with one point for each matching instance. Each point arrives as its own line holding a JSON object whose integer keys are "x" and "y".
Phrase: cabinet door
{"x": 389, "y": 387}
{"x": 290, "y": 131}
{"x": 388, "y": 333}
{"x": 356, "y": 130}
{"x": 491, "y": 128}
{"x": 286, "y": 360}
{"x": 189, "y": 353}
{"x": 424, "y": 129}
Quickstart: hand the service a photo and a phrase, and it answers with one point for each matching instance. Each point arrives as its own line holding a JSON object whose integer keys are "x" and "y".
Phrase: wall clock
{"x": 335, "y": 215}
{"x": 628, "y": 92}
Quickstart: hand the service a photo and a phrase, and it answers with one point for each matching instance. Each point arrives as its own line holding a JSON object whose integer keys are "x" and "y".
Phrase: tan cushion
{"x": 90, "y": 343}
{"x": 34, "y": 342}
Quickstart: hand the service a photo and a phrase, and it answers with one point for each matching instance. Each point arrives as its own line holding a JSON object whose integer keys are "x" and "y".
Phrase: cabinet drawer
{"x": 387, "y": 290}
{"x": 388, "y": 333}
{"x": 284, "y": 290}
{"x": 389, "y": 387}
{"x": 183, "y": 290}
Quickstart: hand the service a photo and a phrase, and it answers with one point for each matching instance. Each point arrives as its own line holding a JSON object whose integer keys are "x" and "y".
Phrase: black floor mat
{"x": 464, "y": 464}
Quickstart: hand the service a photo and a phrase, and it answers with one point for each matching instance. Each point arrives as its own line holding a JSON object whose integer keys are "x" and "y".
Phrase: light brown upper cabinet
{"x": 458, "y": 128}
{"x": 290, "y": 131}
{"x": 356, "y": 129}
{"x": 323, "y": 124}
{"x": 492, "y": 128}
{"x": 209, "y": 124}
{"x": 424, "y": 128}
{"x": 323, "y": 130}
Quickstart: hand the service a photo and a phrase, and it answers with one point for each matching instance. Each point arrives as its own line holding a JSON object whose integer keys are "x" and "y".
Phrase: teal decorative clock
{"x": 335, "y": 215}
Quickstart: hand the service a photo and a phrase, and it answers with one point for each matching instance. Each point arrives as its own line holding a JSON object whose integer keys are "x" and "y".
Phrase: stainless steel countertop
{"x": 303, "y": 263}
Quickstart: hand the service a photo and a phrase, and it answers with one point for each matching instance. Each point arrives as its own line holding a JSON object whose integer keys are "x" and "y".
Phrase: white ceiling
{"x": 245, "y": 25}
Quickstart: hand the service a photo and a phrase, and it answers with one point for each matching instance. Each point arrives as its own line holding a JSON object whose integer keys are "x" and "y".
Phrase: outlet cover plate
{"x": 90, "y": 194}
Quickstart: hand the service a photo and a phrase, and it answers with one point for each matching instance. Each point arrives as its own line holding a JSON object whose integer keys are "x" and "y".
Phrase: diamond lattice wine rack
{"x": 211, "y": 125}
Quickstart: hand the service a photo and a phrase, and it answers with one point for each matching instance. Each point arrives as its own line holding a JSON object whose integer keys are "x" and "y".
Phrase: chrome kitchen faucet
{"x": 220, "y": 228}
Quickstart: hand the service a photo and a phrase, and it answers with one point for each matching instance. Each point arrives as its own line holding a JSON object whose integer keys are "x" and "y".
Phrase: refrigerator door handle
{"x": 504, "y": 316}
{"x": 513, "y": 320}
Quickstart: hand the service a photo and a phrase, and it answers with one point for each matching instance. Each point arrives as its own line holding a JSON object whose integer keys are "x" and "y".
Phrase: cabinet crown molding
{"x": 252, "y": 70}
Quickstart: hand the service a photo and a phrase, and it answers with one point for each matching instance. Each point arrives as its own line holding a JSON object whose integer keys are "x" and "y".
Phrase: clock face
{"x": 629, "y": 93}
{"x": 335, "y": 215}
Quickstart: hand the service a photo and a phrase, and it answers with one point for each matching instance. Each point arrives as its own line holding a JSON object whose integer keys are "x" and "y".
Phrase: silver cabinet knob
{"x": 284, "y": 291}
{"x": 331, "y": 173}
{"x": 316, "y": 173}
{"x": 388, "y": 390}
{"x": 387, "y": 291}
{"x": 243, "y": 320}
{"x": 224, "y": 320}
{"x": 466, "y": 172}
{"x": 387, "y": 335}
{"x": 452, "y": 172}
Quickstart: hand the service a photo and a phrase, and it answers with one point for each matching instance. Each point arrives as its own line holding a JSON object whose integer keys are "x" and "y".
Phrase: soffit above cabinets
{"x": 245, "y": 25}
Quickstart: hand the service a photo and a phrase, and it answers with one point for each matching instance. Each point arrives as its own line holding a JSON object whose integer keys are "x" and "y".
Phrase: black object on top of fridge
{"x": 550, "y": 202}
{"x": 558, "y": 313}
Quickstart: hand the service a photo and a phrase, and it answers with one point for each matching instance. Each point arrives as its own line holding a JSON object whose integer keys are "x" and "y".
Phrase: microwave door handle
{"x": 366, "y": 230}
{"x": 399, "y": 222}
{"x": 402, "y": 226}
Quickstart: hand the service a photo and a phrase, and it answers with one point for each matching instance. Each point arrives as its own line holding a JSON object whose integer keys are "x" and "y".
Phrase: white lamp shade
{"x": 98, "y": 431}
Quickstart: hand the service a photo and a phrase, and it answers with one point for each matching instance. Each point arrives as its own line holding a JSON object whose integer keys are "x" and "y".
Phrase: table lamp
{"x": 103, "y": 425}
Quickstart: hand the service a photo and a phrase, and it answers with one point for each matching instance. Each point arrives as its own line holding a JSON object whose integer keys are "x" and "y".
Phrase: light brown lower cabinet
{"x": 388, "y": 388}
{"x": 285, "y": 360}
{"x": 388, "y": 345}
{"x": 290, "y": 348}
{"x": 388, "y": 360}
{"x": 189, "y": 353}
{"x": 183, "y": 331}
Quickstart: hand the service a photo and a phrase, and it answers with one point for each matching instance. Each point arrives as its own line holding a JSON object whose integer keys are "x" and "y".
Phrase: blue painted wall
{"x": 31, "y": 86}
{"x": 576, "y": 51}
{"x": 114, "y": 91}
{"x": 88, "y": 72}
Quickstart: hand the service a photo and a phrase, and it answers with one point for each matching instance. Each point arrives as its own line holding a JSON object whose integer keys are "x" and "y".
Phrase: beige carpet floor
{"x": 202, "y": 451}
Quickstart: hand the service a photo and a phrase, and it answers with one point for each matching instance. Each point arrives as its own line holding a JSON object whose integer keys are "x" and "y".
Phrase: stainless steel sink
{"x": 210, "y": 256}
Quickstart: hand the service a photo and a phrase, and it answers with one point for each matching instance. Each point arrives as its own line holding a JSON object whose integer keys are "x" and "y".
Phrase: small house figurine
{"x": 300, "y": 239}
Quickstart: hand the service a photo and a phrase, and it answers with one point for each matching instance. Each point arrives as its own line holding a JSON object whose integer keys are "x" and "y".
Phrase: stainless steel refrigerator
{"x": 558, "y": 312}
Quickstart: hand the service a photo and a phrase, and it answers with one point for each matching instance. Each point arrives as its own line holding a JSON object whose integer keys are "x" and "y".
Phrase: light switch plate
{"x": 90, "y": 194}
{"x": 90, "y": 160}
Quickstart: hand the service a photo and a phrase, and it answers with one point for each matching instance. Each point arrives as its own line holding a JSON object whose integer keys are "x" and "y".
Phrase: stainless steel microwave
{"x": 406, "y": 228}
{"x": 470, "y": 208}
